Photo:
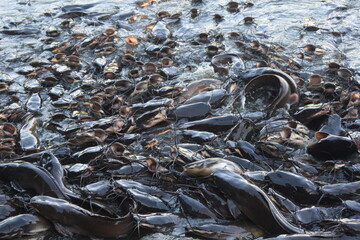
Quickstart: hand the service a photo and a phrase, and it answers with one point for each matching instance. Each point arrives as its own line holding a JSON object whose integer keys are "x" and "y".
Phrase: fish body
{"x": 253, "y": 203}
{"x": 74, "y": 219}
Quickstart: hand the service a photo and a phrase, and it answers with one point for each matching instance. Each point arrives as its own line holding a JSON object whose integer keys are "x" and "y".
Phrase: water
{"x": 278, "y": 22}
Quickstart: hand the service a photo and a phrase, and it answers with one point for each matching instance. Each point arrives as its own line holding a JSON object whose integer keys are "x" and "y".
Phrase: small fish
{"x": 29, "y": 140}
{"x": 160, "y": 32}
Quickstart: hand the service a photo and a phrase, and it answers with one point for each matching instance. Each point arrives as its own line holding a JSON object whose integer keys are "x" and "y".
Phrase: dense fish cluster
{"x": 125, "y": 123}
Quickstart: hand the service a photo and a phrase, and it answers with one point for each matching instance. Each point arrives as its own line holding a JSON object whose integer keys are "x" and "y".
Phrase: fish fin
{"x": 63, "y": 230}
{"x": 233, "y": 209}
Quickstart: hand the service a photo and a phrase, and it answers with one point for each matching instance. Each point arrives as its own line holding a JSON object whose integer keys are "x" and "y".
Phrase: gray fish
{"x": 29, "y": 140}
{"x": 160, "y": 32}
{"x": 29, "y": 176}
{"x": 253, "y": 203}
{"x": 69, "y": 218}
{"x": 22, "y": 225}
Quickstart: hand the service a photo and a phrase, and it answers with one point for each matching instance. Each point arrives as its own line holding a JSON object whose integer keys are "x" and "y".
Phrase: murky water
{"x": 331, "y": 25}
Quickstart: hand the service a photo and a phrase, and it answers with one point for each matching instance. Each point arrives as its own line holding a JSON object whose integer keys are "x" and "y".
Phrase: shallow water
{"x": 277, "y": 22}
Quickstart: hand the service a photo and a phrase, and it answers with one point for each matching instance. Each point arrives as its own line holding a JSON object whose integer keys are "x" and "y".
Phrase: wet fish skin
{"x": 157, "y": 220}
{"x": 147, "y": 201}
{"x": 342, "y": 190}
{"x": 250, "y": 74}
{"x": 294, "y": 186}
{"x": 253, "y": 203}
{"x": 79, "y": 220}
{"x": 214, "y": 97}
{"x": 198, "y": 86}
{"x": 283, "y": 93}
{"x": 198, "y": 136}
{"x": 192, "y": 110}
{"x": 333, "y": 126}
{"x": 77, "y": 7}
{"x": 24, "y": 32}
{"x": 29, "y": 176}
{"x": 333, "y": 147}
{"x": 160, "y": 32}
{"x": 216, "y": 201}
{"x": 194, "y": 207}
{"x": 207, "y": 166}
{"x": 226, "y": 231}
{"x": 22, "y": 225}
{"x": 29, "y": 140}
{"x": 213, "y": 124}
